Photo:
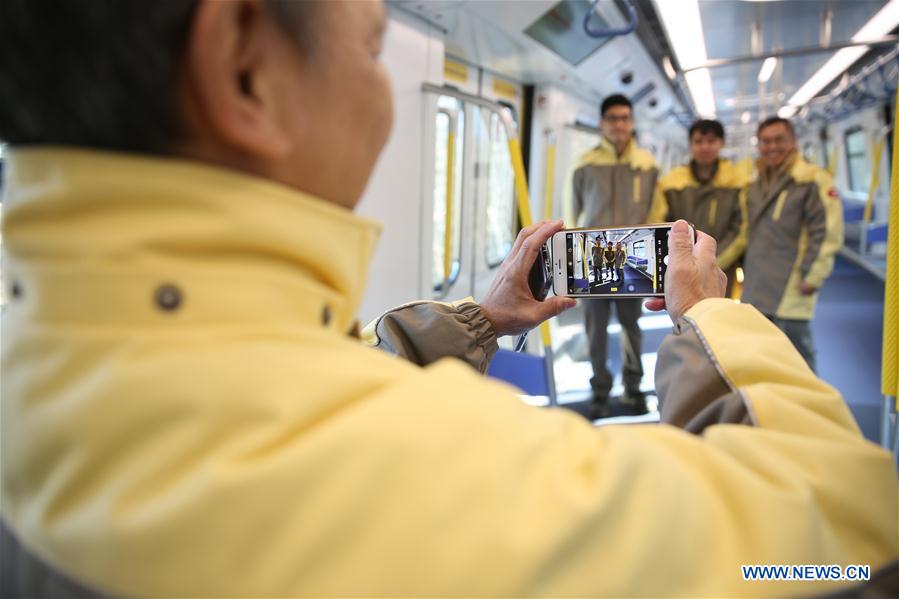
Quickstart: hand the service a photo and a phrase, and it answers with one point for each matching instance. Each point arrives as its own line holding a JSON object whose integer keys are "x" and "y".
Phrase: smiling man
{"x": 188, "y": 412}
{"x": 706, "y": 192}
{"x": 795, "y": 228}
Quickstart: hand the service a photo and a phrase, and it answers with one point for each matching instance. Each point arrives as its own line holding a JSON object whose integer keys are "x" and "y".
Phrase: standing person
{"x": 795, "y": 227}
{"x": 620, "y": 261}
{"x": 613, "y": 185}
{"x": 707, "y": 193}
{"x": 608, "y": 257}
{"x": 597, "y": 254}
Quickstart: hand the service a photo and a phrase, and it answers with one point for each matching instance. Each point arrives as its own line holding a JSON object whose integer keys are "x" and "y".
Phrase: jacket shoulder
{"x": 730, "y": 176}
{"x": 598, "y": 156}
{"x": 643, "y": 159}
{"x": 678, "y": 178}
{"x": 806, "y": 172}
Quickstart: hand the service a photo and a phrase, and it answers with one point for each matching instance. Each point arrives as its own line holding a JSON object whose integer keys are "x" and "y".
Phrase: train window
{"x": 450, "y": 132}
{"x": 501, "y": 213}
{"x": 856, "y": 161}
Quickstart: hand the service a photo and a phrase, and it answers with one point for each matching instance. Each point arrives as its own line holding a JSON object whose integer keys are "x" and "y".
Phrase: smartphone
{"x": 540, "y": 277}
{"x": 611, "y": 262}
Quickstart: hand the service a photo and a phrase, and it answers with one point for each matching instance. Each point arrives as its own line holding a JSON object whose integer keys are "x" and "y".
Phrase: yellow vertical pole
{"x": 890, "y": 373}
{"x": 448, "y": 229}
{"x": 550, "y": 172}
{"x": 524, "y": 211}
{"x": 875, "y": 180}
{"x": 832, "y": 161}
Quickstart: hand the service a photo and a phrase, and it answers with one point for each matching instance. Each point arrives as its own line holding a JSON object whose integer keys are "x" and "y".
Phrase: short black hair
{"x": 614, "y": 100}
{"x": 98, "y": 73}
{"x": 704, "y": 126}
{"x": 774, "y": 120}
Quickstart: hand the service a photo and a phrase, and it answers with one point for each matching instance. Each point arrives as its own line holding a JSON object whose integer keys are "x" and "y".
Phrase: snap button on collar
{"x": 326, "y": 315}
{"x": 168, "y": 297}
{"x": 15, "y": 290}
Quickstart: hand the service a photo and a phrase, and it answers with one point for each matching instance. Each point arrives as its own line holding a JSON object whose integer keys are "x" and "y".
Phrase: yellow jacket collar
{"x": 605, "y": 154}
{"x": 97, "y": 236}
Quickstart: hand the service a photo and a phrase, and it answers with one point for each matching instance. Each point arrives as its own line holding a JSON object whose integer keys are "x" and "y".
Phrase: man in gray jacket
{"x": 614, "y": 185}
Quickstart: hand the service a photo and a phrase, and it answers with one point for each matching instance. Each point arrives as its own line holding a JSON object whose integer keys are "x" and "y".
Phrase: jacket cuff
{"x": 484, "y": 334}
{"x": 424, "y": 332}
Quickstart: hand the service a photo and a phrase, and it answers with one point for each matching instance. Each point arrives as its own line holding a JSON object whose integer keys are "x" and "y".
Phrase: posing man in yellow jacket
{"x": 706, "y": 192}
{"x": 795, "y": 228}
{"x": 613, "y": 185}
{"x": 186, "y": 411}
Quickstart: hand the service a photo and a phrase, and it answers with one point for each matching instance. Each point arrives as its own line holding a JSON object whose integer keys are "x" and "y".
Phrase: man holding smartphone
{"x": 613, "y": 185}
{"x": 187, "y": 409}
{"x": 707, "y": 193}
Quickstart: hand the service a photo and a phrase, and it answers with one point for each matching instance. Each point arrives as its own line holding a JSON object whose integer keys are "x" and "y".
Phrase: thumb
{"x": 680, "y": 242}
{"x": 554, "y": 306}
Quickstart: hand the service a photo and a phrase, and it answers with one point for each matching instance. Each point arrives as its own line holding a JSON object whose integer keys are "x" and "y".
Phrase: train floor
{"x": 847, "y": 331}
{"x": 634, "y": 282}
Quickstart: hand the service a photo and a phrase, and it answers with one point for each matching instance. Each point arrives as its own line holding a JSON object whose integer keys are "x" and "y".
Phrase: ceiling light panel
{"x": 683, "y": 24}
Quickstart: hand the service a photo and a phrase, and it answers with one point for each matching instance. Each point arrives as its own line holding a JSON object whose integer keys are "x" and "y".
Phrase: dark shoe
{"x": 635, "y": 402}
{"x": 599, "y": 408}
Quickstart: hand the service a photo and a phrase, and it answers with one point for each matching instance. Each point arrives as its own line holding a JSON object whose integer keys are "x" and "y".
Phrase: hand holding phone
{"x": 692, "y": 275}
{"x": 509, "y": 304}
{"x": 611, "y": 262}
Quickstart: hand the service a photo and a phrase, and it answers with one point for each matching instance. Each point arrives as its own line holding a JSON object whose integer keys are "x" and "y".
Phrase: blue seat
{"x": 525, "y": 371}
{"x": 877, "y": 233}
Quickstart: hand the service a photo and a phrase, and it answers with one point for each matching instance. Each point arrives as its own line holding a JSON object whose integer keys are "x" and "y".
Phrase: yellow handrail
{"x": 550, "y": 172}
{"x": 875, "y": 179}
{"x": 524, "y": 210}
{"x": 832, "y": 161}
{"x": 890, "y": 372}
{"x": 448, "y": 229}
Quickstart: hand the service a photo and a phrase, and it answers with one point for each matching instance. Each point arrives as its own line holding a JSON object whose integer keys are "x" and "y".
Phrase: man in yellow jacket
{"x": 614, "y": 185}
{"x": 795, "y": 228}
{"x": 706, "y": 192}
{"x": 186, "y": 411}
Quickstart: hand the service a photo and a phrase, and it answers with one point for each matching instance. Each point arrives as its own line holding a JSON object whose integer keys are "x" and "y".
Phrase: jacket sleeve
{"x": 733, "y": 244}
{"x": 424, "y": 332}
{"x": 824, "y": 213}
{"x": 658, "y": 211}
{"x": 572, "y": 197}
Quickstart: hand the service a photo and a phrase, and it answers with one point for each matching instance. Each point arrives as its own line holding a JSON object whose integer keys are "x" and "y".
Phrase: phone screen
{"x": 620, "y": 261}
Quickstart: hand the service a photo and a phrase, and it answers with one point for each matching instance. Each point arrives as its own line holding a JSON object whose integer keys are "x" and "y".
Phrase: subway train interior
{"x": 499, "y": 108}
{"x": 471, "y": 76}
{"x": 498, "y": 99}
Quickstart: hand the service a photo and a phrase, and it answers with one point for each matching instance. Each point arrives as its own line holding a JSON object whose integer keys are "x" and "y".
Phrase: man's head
{"x": 610, "y": 244}
{"x": 616, "y": 119}
{"x": 290, "y": 91}
{"x": 777, "y": 141}
{"x": 706, "y": 141}
{"x": 618, "y": 245}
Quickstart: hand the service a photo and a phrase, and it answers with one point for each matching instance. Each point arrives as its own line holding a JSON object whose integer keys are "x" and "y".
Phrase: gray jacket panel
{"x": 776, "y": 223}
{"x": 613, "y": 195}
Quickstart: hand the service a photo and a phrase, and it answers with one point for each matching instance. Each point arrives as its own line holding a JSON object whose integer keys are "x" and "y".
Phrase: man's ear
{"x": 230, "y": 69}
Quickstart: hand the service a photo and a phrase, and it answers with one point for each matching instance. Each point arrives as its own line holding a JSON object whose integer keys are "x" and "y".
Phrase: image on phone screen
{"x": 620, "y": 261}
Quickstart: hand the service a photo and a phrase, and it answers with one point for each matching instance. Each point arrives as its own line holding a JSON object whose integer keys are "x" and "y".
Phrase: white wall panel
{"x": 413, "y": 54}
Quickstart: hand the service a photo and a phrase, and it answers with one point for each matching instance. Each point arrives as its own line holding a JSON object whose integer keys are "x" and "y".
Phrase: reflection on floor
{"x": 634, "y": 282}
{"x": 847, "y": 329}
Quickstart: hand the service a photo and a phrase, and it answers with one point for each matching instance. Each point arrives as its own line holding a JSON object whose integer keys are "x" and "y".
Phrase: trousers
{"x": 800, "y": 334}
{"x": 631, "y": 341}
